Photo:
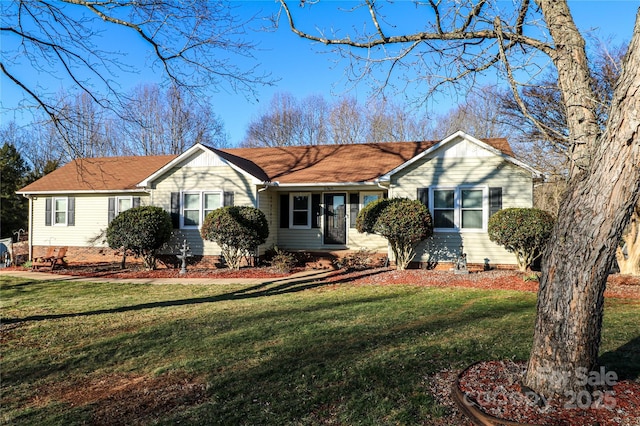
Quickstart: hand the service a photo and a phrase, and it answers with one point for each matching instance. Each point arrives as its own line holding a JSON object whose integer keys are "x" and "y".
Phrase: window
{"x": 300, "y": 212}
{"x": 471, "y": 208}
{"x": 117, "y": 205}
{"x": 196, "y": 205}
{"x": 444, "y": 208}
{"x": 211, "y": 202}
{"x": 369, "y": 197}
{"x": 358, "y": 200}
{"x": 124, "y": 203}
{"x": 459, "y": 208}
{"x": 59, "y": 211}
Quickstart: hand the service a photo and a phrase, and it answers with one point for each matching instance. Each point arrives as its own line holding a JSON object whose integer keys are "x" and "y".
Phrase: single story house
{"x": 310, "y": 195}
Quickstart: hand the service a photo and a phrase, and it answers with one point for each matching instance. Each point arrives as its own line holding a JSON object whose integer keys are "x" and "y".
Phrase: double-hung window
{"x": 124, "y": 203}
{"x": 300, "y": 212}
{"x": 60, "y": 211}
{"x": 117, "y": 205}
{"x": 196, "y": 205}
{"x": 459, "y": 208}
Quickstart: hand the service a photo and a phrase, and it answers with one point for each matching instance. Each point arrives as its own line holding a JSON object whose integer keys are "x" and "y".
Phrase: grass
{"x": 78, "y": 352}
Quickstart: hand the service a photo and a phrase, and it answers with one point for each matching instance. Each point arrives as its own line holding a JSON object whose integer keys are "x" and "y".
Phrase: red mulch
{"x": 619, "y": 286}
{"x": 494, "y": 387}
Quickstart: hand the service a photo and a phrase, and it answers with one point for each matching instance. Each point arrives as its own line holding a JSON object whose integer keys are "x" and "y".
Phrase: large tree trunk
{"x": 574, "y": 80}
{"x": 594, "y": 213}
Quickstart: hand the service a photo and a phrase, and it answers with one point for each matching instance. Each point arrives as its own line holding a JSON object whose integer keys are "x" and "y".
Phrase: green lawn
{"x": 78, "y": 353}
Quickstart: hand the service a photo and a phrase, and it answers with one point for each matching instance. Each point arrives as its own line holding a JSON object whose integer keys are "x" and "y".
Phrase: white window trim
{"x": 380, "y": 195}
{"x": 201, "y": 206}
{"x": 457, "y": 207}
{"x": 299, "y": 194}
{"x": 117, "y": 206}
{"x": 53, "y": 211}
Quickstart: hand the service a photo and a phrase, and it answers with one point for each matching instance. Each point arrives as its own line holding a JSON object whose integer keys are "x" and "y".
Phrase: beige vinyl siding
{"x": 202, "y": 177}
{"x": 450, "y": 170}
{"x": 91, "y": 218}
{"x": 373, "y": 242}
{"x": 267, "y": 203}
{"x": 300, "y": 239}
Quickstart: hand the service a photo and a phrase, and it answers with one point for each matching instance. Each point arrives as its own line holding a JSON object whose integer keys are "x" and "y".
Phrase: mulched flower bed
{"x": 620, "y": 286}
{"x": 111, "y": 270}
{"x": 493, "y": 388}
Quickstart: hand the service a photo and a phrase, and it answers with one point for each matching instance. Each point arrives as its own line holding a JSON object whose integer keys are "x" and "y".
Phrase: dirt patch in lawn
{"x": 128, "y": 399}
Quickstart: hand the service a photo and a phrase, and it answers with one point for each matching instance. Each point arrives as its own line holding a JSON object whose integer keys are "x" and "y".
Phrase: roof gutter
{"x": 268, "y": 184}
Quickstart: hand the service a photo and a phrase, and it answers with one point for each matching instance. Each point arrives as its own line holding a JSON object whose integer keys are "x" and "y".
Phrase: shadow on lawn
{"x": 268, "y": 288}
{"x": 625, "y": 360}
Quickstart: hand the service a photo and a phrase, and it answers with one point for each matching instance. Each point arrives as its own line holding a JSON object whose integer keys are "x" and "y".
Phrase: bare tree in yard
{"x": 347, "y": 121}
{"x": 157, "y": 122}
{"x": 279, "y": 125}
{"x": 311, "y": 121}
{"x": 480, "y": 115}
{"x": 192, "y": 43}
{"x": 462, "y": 39}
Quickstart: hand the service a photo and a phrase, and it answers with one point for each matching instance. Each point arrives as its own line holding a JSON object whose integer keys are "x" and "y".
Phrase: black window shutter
{"x": 228, "y": 199}
{"x": 284, "y": 210}
{"x": 71, "y": 211}
{"x": 354, "y": 208}
{"x": 111, "y": 209}
{"x": 423, "y": 196}
{"x": 315, "y": 210}
{"x": 495, "y": 200}
{"x": 175, "y": 209}
{"x": 135, "y": 202}
{"x": 47, "y": 211}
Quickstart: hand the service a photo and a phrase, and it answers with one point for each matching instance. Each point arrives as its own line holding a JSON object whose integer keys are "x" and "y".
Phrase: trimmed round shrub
{"x": 403, "y": 222}
{"x": 237, "y": 230}
{"x": 141, "y": 231}
{"x": 522, "y": 231}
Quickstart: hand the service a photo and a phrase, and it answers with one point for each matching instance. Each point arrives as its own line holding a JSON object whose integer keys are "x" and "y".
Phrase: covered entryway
{"x": 335, "y": 218}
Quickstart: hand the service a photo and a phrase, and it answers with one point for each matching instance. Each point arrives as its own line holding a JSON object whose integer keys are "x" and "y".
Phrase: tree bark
{"x": 596, "y": 209}
{"x": 574, "y": 79}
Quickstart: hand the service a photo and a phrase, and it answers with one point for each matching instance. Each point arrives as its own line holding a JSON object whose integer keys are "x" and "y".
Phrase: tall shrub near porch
{"x": 403, "y": 222}
{"x": 237, "y": 230}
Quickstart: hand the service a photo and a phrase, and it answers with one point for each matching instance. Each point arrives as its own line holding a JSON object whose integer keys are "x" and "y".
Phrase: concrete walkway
{"x": 299, "y": 277}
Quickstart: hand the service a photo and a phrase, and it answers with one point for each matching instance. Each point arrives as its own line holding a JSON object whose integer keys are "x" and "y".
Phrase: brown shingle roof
{"x": 337, "y": 163}
{"x": 287, "y": 165}
{"x": 99, "y": 174}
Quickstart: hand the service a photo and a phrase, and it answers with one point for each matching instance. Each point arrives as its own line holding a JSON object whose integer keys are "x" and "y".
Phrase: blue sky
{"x": 303, "y": 69}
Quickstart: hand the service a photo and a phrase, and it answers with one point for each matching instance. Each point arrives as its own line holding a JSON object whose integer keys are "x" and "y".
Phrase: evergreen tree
{"x": 13, "y": 207}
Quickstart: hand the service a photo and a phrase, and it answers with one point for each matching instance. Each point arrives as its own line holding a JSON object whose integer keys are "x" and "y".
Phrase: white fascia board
{"x": 84, "y": 191}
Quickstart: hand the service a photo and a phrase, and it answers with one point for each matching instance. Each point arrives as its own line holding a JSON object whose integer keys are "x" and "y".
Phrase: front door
{"x": 335, "y": 218}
